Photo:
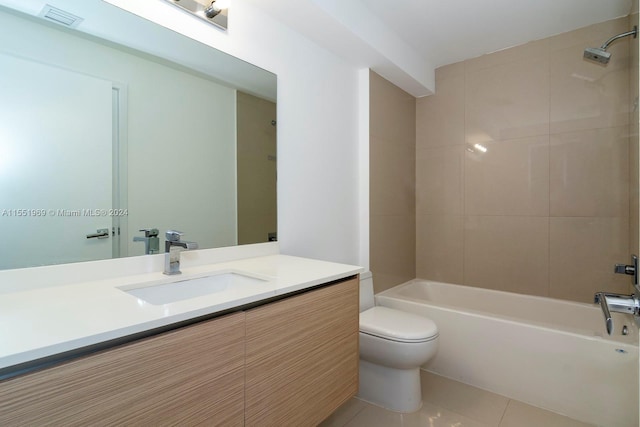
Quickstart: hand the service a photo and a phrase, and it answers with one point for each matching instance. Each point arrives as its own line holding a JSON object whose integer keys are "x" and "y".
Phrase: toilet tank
{"x": 366, "y": 291}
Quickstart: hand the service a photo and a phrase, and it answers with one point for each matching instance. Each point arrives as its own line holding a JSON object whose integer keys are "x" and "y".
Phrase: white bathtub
{"x": 549, "y": 353}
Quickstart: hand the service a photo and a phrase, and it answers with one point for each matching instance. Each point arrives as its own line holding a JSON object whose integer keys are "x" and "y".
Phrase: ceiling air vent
{"x": 60, "y": 16}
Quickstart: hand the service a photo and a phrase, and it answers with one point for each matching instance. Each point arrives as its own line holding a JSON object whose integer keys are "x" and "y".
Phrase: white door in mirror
{"x": 55, "y": 164}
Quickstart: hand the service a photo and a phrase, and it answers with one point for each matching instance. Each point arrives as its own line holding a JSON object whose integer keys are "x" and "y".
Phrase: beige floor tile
{"x": 520, "y": 414}
{"x": 428, "y": 416}
{"x": 437, "y": 416}
{"x": 471, "y": 402}
{"x": 452, "y": 404}
{"x": 345, "y": 413}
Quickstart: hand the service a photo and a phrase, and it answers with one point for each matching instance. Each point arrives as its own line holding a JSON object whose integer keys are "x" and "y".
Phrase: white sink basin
{"x": 166, "y": 293}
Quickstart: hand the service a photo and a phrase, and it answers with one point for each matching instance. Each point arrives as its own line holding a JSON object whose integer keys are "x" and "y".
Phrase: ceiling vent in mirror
{"x": 60, "y": 16}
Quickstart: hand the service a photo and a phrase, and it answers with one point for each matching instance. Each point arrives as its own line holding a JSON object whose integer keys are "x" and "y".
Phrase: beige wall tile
{"x": 439, "y": 181}
{"x": 634, "y": 152}
{"x": 507, "y": 101}
{"x": 392, "y": 184}
{"x": 587, "y": 95}
{"x": 510, "y": 178}
{"x": 537, "y": 50}
{"x": 507, "y": 253}
{"x": 634, "y": 190}
{"x": 439, "y": 247}
{"x": 557, "y": 131}
{"x": 450, "y": 71}
{"x": 392, "y": 112}
{"x": 589, "y": 173}
{"x": 583, "y": 252}
{"x": 384, "y": 281}
{"x": 392, "y": 178}
{"x": 440, "y": 117}
{"x": 393, "y": 243}
{"x": 256, "y": 169}
{"x": 593, "y": 35}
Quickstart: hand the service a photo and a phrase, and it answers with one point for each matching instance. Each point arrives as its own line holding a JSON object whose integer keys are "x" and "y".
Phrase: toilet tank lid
{"x": 397, "y": 325}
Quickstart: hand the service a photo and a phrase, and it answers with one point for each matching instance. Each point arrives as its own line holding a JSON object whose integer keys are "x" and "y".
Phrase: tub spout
{"x": 629, "y": 304}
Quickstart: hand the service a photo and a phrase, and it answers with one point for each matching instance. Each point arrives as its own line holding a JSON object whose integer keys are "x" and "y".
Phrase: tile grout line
{"x": 358, "y": 412}
{"x": 505, "y": 412}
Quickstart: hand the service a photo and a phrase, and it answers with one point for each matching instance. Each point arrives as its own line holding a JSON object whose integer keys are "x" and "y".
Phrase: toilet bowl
{"x": 393, "y": 346}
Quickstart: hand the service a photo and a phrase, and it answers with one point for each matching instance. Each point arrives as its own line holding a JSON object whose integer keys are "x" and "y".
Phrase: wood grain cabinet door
{"x": 302, "y": 357}
{"x": 193, "y": 375}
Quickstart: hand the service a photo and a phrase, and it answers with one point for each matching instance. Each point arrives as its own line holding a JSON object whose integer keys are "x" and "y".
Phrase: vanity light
{"x": 216, "y": 7}
{"x": 213, "y": 11}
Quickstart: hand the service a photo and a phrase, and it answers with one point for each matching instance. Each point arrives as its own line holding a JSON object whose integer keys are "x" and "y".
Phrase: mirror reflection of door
{"x": 256, "y": 151}
{"x": 55, "y": 164}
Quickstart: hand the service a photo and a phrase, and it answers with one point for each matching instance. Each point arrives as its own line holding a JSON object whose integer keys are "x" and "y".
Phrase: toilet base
{"x": 395, "y": 389}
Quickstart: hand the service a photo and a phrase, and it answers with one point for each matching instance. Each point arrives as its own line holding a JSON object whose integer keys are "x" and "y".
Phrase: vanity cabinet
{"x": 289, "y": 362}
{"x": 184, "y": 377}
{"x": 302, "y": 356}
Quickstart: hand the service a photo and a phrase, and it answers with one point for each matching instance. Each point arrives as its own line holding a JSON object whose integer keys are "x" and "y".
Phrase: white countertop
{"x": 47, "y": 321}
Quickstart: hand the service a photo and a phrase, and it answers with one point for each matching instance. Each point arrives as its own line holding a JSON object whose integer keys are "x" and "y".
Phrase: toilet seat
{"x": 396, "y": 325}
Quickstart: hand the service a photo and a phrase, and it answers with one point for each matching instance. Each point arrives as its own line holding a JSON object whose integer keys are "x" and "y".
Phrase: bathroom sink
{"x": 166, "y": 293}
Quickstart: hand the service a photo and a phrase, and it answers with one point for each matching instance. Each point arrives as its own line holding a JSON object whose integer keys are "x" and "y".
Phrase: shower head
{"x": 597, "y": 54}
{"x": 600, "y": 54}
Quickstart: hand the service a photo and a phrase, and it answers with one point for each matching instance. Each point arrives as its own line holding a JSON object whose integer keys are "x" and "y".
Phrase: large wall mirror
{"x": 120, "y": 125}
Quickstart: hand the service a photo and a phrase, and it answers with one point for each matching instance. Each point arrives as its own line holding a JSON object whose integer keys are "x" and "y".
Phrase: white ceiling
{"x": 405, "y": 40}
{"x": 448, "y": 31}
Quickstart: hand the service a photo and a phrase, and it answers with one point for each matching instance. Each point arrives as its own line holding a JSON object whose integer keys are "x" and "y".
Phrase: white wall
{"x": 317, "y": 125}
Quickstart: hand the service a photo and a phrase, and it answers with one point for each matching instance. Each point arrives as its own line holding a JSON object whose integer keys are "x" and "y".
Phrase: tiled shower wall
{"x": 523, "y": 165}
{"x": 634, "y": 157}
{"x": 392, "y": 184}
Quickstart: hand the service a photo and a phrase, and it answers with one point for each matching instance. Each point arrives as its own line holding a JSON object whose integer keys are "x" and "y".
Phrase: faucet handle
{"x": 601, "y": 298}
{"x": 173, "y": 235}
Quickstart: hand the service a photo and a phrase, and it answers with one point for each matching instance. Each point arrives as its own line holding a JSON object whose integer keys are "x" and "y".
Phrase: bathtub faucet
{"x": 629, "y": 304}
{"x": 630, "y": 270}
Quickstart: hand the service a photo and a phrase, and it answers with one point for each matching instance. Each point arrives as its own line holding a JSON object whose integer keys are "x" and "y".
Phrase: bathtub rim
{"x": 631, "y": 339}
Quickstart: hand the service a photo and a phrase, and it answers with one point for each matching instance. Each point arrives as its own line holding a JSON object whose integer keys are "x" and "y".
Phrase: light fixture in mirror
{"x": 215, "y": 12}
{"x": 114, "y": 132}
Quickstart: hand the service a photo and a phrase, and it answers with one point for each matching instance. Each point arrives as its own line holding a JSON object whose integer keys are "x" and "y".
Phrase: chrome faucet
{"x": 172, "y": 247}
{"x": 629, "y": 304}
{"x": 150, "y": 239}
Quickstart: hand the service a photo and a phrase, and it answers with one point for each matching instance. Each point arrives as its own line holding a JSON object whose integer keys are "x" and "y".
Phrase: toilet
{"x": 393, "y": 346}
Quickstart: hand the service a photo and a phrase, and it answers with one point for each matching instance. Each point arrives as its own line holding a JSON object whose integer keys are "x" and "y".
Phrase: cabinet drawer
{"x": 187, "y": 376}
{"x": 302, "y": 356}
